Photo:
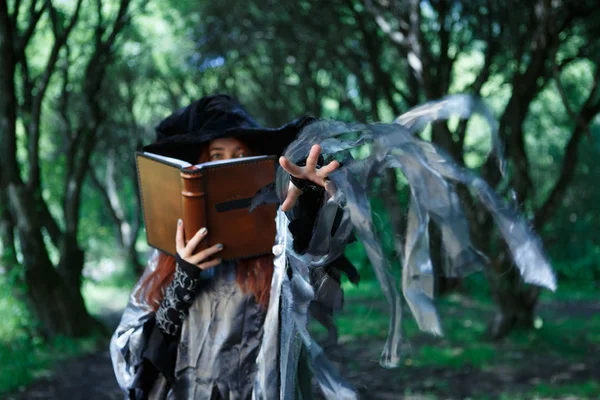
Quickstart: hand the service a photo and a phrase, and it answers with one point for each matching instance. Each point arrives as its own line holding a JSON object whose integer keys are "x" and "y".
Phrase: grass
{"x": 464, "y": 320}
{"x": 16, "y": 318}
{"x": 588, "y": 389}
{"x": 585, "y": 390}
{"x": 24, "y": 356}
{"x": 560, "y": 335}
{"x": 23, "y": 361}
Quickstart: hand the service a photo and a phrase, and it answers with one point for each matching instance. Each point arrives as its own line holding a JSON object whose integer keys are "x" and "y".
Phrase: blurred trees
{"x": 47, "y": 63}
{"x": 375, "y": 59}
{"x": 82, "y": 84}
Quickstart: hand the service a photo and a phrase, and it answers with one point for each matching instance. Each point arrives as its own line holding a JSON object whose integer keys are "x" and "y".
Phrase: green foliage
{"x": 102, "y": 299}
{"x": 17, "y": 322}
{"x": 565, "y": 339}
{"x": 464, "y": 318}
{"x": 582, "y": 390}
{"x": 24, "y": 356}
{"x": 22, "y": 361}
{"x": 335, "y": 63}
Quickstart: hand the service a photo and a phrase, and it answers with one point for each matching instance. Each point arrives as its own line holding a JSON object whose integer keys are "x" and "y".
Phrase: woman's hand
{"x": 308, "y": 172}
{"x": 185, "y": 251}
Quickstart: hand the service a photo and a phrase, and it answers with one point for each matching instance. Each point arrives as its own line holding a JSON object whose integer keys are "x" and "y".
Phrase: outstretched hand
{"x": 308, "y": 172}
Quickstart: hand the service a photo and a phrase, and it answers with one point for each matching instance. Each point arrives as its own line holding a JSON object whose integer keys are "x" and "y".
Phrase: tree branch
{"x": 82, "y": 150}
{"x": 444, "y": 64}
{"x": 589, "y": 110}
{"x": 34, "y": 125}
{"x": 490, "y": 53}
{"x": 409, "y": 41}
{"x": 15, "y": 14}
{"x": 382, "y": 78}
{"x": 395, "y": 36}
{"x": 49, "y": 222}
{"x": 8, "y": 100}
{"x": 34, "y": 18}
{"x": 106, "y": 199}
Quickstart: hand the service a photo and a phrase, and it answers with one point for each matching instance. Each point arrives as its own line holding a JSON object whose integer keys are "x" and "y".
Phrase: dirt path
{"x": 91, "y": 377}
{"x": 358, "y": 363}
{"x": 86, "y": 378}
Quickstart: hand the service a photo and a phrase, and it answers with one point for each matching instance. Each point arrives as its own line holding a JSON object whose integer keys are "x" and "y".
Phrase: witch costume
{"x": 209, "y": 340}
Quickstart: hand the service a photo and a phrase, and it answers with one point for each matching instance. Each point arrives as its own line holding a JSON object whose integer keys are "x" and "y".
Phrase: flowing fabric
{"x": 432, "y": 176}
{"x": 366, "y": 151}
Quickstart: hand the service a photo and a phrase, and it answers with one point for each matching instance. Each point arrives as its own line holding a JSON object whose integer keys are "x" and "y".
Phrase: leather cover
{"x": 215, "y": 195}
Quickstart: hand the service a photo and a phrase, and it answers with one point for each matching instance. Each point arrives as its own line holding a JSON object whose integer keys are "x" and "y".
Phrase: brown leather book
{"x": 215, "y": 195}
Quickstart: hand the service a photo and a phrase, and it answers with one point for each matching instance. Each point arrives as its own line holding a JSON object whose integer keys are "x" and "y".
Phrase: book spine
{"x": 193, "y": 205}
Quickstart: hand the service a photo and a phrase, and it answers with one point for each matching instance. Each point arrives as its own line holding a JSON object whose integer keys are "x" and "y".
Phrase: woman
{"x": 193, "y": 326}
{"x": 209, "y": 337}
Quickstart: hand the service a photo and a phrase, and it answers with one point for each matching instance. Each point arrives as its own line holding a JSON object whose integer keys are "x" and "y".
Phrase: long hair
{"x": 252, "y": 275}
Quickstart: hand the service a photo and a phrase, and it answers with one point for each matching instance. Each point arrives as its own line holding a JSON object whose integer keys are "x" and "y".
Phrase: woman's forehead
{"x": 229, "y": 143}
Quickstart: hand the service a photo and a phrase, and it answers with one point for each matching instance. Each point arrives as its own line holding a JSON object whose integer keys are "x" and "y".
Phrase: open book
{"x": 215, "y": 195}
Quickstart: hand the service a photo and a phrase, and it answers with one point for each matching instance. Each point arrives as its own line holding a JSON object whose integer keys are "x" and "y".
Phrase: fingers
{"x": 313, "y": 157}
{"x": 290, "y": 167}
{"x": 210, "y": 264}
{"x": 193, "y": 243}
{"x": 327, "y": 169}
{"x": 309, "y": 172}
{"x": 185, "y": 251}
{"x": 205, "y": 254}
{"x": 179, "y": 238}
{"x": 291, "y": 198}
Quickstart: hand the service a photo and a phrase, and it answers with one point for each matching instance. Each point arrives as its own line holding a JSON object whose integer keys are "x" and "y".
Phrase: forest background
{"x": 83, "y": 83}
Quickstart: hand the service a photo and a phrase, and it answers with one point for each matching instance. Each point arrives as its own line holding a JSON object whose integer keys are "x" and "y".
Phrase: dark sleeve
{"x": 179, "y": 297}
{"x": 304, "y": 217}
{"x": 302, "y": 227}
{"x": 164, "y": 328}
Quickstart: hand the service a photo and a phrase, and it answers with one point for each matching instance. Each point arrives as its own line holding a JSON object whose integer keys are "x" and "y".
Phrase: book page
{"x": 229, "y": 161}
{"x": 170, "y": 160}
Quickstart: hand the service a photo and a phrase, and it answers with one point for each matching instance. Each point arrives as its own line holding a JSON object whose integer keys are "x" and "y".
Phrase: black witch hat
{"x": 181, "y": 134}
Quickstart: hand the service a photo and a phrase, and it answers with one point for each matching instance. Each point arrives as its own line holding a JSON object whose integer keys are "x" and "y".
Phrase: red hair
{"x": 252, "y": 275}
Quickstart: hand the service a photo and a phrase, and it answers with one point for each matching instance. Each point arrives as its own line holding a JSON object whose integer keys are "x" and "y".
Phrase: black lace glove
{"x": 179, "y": 296}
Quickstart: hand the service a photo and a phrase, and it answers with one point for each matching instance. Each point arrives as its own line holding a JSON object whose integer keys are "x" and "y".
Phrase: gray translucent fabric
{"x": 128, "y": 342}
{"x": 285, "y": 328}
{"x": 431, "y": 175}
{"x": 217, "y": 349}
{"x": 220, "y": 340}
{"x": 366, "y": 152}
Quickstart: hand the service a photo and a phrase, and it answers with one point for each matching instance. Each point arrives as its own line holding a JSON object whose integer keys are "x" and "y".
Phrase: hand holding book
{"x": 308, "y": 172}
{"x": 213, "y": 195}
{"x": 186, "y": 250}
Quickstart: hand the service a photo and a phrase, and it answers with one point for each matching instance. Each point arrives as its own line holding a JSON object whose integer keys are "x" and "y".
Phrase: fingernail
{"x": 219, "y": 246}
{"x": 179, "y": 221}
{"x": 202, "y": 231}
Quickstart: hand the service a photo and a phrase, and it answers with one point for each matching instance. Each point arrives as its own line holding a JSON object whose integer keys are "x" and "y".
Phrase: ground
{"x": 559, "y": 360}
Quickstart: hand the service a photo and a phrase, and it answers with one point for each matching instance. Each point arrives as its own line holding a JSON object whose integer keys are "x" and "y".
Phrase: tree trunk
{"x": 394, "y": 208}
{"x": 441, "y": 136}
{"x": 59, "y": 307}
{"x": 71, "y": 261}
{"x": 133, "y": 261}
{"x": 516, "y": 301}
{"x": 8, "y": 258}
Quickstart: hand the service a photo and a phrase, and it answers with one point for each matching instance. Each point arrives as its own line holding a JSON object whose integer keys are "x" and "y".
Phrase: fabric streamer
{"x": 432, "y": 176}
